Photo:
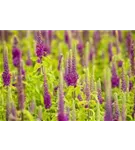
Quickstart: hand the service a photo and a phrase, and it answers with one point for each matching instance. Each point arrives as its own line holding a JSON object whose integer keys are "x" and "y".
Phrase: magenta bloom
{"x": 20, "y": 88}
{"x": 62, "y": 116}
{"x": 6, "y": 75}
{"x": 132, "y": 57}
{"x": 99, "y": 94}
{"x": 71, "y": 75}
{"x": 110, "y": 51}
{"x": 16, "y": 54}
{"x": 120, "y": 63}
{"x": 67, "y": 39}
{"x": 120, "y": 36}
{"x": 80, "y": 48}
{"x": 130, "y": 85}
{"x": 46, "y": 50}
{"x": 128, "y": 41}
{"x": 29, "y": 61}
{"x": 123, "y": 80}
{"x": 39, "y": 46}
{"x": 47, "y": 97}
{"x": 115, "y": 78}
{"x": 108, "y": 113}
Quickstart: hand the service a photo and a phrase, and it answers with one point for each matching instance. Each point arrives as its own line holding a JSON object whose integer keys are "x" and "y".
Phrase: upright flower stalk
{"x": 108, "y": 106}
{"x": 115, "y": 78}
{"x": 123, "y": 81}
{"x": 6, "y": 75}
{"x": 128, "y": 42}
{"x": 110, "y": 52}
{"x": 47, "y": 96}
{"x": 116, "y": 112}
{"x": 61, "y": 114}
{"x": 99, "y": 92}
{"x": 132, "y": 60}
{"x": 29, "y": 61}
{"x": 71, "y": 75}
{"x": 39, "y": 46}
{"x": 20, "y": 88}
{"x": 123, "y": 113}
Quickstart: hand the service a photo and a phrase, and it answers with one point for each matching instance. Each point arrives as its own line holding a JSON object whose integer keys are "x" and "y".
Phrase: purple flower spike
{"x": 71, "y": 75}
{"x": 115, "y": 78}
{"x": 79, "y": 97}
{"x": 16, "y": 54}
{"x": 120, "y": 63}
{"x": 62, "y": 116}
{"x": 100, "y": 99}
{"x": 6, "y": 75}
{"x": 116, "y": 112}
{"x": 108, "y": 114}
{"x": 29, "y": 61}
{"x": 96, "y": 38}
{"x": 130, "y": 85}
{"x": 47, "y": 97}
{"x": 21, "y": 97}
{"x": 133, "y": 114}
{"x": 87, "y": 86}
{"x": 108, "y": 106}
{"x": 128, "y": 42}
{"x": 59, "y": 63}
{"x": 132, "y": 60}
{"x": 123, "y": 80}
{"x": 120, "y": 35}
{"x": 39, "y": 46}
{"x": 110, "y": 51}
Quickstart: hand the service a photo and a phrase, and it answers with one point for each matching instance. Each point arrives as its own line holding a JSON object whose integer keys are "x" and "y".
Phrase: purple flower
{"x": 110, "y": 51}
{"x": 120, "y": 63}
{"x": 96, "y": 38}
{"x": 32, "y": 106}
{"x": 124, "y": 107}
{"x": 66, "y": 37}
{"x": 85, "y": 34}
{"x": 108, "y": 107}
{"x": 71, "y": 75}
{"x": 113, "y": 32}
{"x": 130, "y": 85}
{"x": 115, "y": 78}
{"x": 61, "y": 114}
{"x": 80, "y": 48}
{"x": 128, "y": 42}
{"x": 16, "y": 54}
{"x": 7, "y": 110}
{"x": 59, "y": 63}
{"x": 91, "y": 53}
{"x": 62, "y": 117}
{"x": 39, "y": 46}
{"x": 116, "y": 112}
{"x": 13, "y": 110}
{"x": 123, "y": 81}
{"x": 47, "y": 97}
{"x": 120, "y": 35}
{"x": 6, "y": 75}
{"x": 79, "y": 97}
{"x": 29, "y": 61}
{"x": 108, "y": 113}
{"x": 133, "y": 114}
{"x": 100, "y": 99}
{"x": 87, "y": 85}
{"x": 132, "y": 57}
{"x": 20, "y": 88}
